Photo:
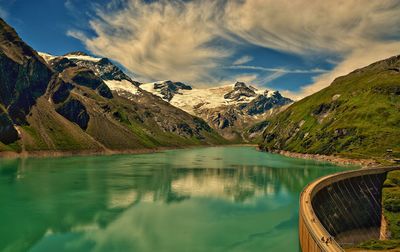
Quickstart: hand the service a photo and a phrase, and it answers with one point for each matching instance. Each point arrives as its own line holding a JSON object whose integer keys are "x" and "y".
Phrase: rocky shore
{"x": 332, "y": 159}
{"x": 51, "y": 153}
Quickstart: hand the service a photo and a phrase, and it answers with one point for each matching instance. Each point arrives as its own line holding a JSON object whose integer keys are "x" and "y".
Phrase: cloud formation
{"x": 243, "y": 60}
{"x": 194, "y": 40}
{"x": 160, "y": 40}
{"x": 357, "y": 59}
{"x": 282, "y": 70}
{"x": 310, "y": 27}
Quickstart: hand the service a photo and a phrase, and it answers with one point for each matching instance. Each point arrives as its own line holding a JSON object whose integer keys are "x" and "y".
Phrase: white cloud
{"x": 282, "y": 70}
{"x": 243, "y": 60}
{"x": 309, "y": 27}
{"x": 357, "y": 59}
{"x": 78, "y": 35}
{"x": 182, "y": 40}
{"x": 160, "y": 40}
{"x": 246, "y": 78}
{"x": 271, "y": 77}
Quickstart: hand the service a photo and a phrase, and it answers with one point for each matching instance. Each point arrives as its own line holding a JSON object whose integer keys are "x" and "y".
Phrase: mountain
{"x": 358, "y": 115}
{"x": 228, "y": 109}
{"x": 77, "y": 102}
{"x": 23, "y": 78}
{"x": 102, "y": 67}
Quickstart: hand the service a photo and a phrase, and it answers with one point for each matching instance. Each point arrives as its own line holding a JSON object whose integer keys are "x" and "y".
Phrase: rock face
{"x": 23, "y": 75}
{"x": 59, "y": 64}
{"x": 240, "y": 90}
{"x": 8, "y": 134}
{"x": 80, "y": 75}
{"x": 76, "y": 112}
{"x": 358, "y": 114}
{"x": 103, "y": 67}
{"x": 168, "y": 88}
{"x": 265, "y": 102}
{"x": 67, "y": 103}
{"x": 228, "y": 109}
{"x": 60, "y": 90}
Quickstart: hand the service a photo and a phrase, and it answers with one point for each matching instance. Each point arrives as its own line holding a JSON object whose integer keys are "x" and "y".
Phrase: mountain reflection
{"x": 43, "y": 197}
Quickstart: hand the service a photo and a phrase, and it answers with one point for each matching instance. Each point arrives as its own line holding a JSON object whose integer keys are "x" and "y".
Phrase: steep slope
{"x": 102, "y": 67}
{"x": 228, "y": 109}
{"x": 24, "y": 75}
{"x": 70, "y": 106}
{"x": 358, "y": 115}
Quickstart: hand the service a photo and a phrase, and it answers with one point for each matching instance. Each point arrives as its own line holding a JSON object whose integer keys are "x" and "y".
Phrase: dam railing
{"x": 335, "y": 204}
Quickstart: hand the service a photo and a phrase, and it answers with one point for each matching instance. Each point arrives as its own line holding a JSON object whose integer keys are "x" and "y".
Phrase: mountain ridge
{"x": 63, "y": 105}
{"x": 229, "y": 109}
{"x": 356, "y": 116}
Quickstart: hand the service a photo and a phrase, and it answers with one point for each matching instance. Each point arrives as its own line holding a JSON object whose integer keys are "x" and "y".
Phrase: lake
{"x": 200, "y": 199}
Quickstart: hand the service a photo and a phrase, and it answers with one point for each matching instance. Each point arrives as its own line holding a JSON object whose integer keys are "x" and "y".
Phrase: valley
{"x": 80, "y": 103}
{"x": 199, "y": 125}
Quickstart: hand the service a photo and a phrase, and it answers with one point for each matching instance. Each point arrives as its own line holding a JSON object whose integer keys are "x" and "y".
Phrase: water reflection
{"x": 202, "y": 199}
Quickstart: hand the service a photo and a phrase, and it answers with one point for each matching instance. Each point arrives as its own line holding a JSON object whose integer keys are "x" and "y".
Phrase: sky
{"x": 296, "y": 47}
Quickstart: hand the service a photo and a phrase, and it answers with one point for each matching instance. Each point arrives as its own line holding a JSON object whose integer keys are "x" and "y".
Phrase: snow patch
{"x": 83, "y": 57}
{"x": 124, "y": 86}
{"x": 271, "y": 93}
{"x": 47, "y": 57}
{"x": 202, "y": 98}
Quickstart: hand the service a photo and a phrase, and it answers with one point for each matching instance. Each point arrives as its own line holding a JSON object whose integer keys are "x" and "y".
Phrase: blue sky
{"x": 297, "y": 48}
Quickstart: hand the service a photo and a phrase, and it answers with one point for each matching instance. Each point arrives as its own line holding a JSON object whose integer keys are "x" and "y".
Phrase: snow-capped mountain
{"x": 194, "y": 99}
{"x": 229, "y": 109}
{"x": 111, "y": 74}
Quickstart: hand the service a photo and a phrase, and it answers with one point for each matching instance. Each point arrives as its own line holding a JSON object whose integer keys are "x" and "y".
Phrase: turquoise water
{"x": 205, "y": 199}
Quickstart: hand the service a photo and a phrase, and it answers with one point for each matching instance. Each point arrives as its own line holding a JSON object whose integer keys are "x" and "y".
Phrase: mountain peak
{"x": 76, "y": 53}
{"x": 24, "y": 76}
{"x": 239, "y": 84}
{"x": 240, "y": 89}
{"x": 169, "y": 88}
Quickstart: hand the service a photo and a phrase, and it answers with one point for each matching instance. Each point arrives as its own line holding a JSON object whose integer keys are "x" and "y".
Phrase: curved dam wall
{"x": 345, "y": 206}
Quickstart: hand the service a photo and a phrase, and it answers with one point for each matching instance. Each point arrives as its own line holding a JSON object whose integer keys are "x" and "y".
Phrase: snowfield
{"x": 122, "y": 86}
{"x": 201, "y": 98}
{"x": 47, "y": 57}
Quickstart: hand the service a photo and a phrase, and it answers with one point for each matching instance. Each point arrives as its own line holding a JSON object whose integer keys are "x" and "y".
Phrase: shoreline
{"x": 364, "y": 163}
{"x": 107, "y": 152}
{"x": 102, "y": 152}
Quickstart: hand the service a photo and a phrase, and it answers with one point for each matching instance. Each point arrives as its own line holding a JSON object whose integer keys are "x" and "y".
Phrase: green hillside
{"x": 358, "y": 116}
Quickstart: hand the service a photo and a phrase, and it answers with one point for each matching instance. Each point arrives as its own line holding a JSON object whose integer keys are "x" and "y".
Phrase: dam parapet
{"x": 342, "y": 209}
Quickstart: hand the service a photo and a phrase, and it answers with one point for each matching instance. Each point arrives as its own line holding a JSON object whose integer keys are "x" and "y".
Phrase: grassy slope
{"x": 356, "y": 116}
{"x": 391, "y": 211}
{"x": 391, "y": 203}
{"x": 49, "y": 131}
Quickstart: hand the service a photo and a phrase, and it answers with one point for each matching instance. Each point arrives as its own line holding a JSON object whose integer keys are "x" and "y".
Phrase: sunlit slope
{"x": 358, "y": 115}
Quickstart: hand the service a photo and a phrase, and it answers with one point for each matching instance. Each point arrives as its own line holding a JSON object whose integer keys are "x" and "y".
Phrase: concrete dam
{"x": 344, "y": 208}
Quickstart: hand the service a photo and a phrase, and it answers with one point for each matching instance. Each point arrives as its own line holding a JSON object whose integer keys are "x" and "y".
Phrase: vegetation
{"x": 391, "y": 212}
{"x": 253, "y": 134}
{"x": 379, "y": 245}
{"x": 356, "y": 116}
{"x": 391, "y": 203}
